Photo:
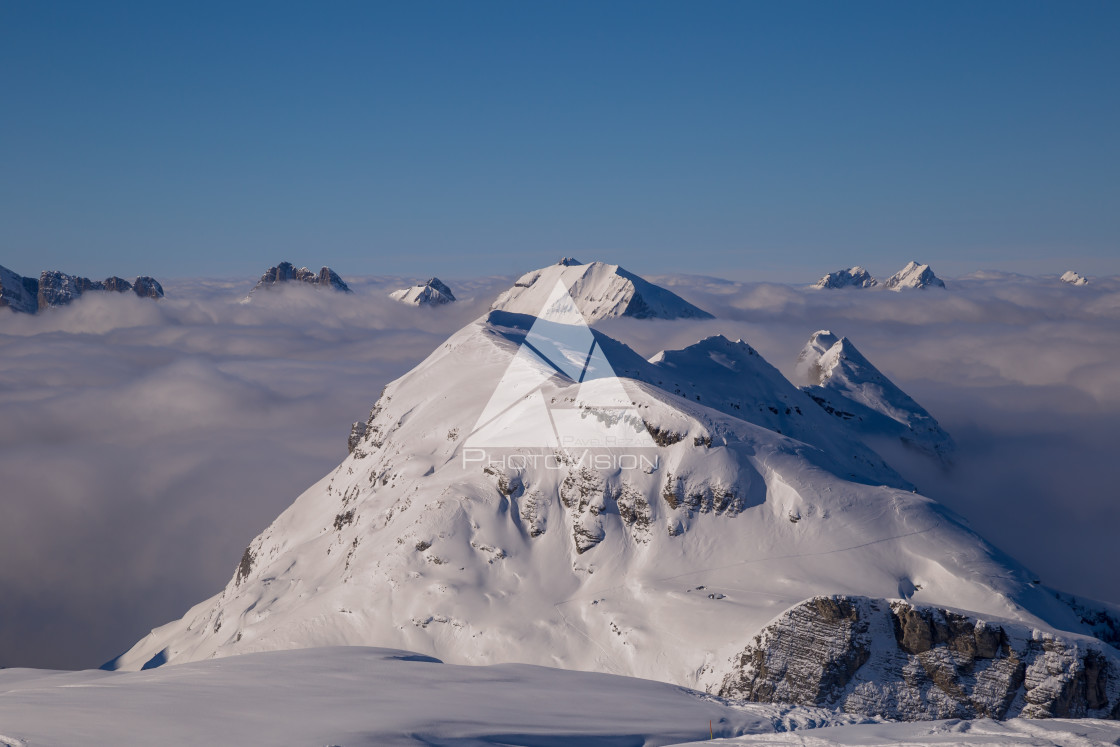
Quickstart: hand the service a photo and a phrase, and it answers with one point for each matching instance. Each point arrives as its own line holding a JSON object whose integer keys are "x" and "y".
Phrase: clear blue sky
{"x": 771, "y": 140}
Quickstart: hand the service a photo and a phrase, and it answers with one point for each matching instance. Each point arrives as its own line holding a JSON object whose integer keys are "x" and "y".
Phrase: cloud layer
{"x": 144, "y": 444}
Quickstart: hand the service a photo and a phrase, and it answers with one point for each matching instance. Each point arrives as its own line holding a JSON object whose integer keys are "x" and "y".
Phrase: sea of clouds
{"x": 143, "y": 444}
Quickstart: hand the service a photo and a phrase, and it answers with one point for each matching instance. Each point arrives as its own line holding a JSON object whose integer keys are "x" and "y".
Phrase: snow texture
{"x": 370, "y": 696}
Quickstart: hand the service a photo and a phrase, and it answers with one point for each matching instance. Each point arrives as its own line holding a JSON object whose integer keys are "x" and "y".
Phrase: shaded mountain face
{"x": 17, "y": 292}
{"x": 836, "y": 376}
{"x": 853, "y": 277}
{"x": 286, "y": 272}
{"x": 913, "y": 276}
{"x": 601, "y": 291}
{"x": 432, "y": 292}
{"x": 451, "y": 530}
{"x": 54, "y": 288}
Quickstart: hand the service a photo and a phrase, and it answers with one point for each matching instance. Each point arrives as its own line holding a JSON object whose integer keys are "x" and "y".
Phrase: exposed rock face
{"x": 1071, "y": 277}
{"x": 914, "y": 275}
{"x": 286, "y": 272}
{"x": 897, "y": 660}
{"x": 432, "y": 292}
{"x": 853, "y": 277}
{"x": 17, "y": 292}
{"x": 147, "y": 287}
{"x": 54, "y": 288}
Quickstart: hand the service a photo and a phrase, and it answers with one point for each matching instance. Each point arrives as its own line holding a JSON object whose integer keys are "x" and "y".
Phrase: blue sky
{"x": 755, "y": 140}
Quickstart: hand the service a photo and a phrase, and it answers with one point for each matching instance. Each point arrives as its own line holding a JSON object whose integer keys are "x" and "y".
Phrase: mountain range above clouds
{"x": 53, "y": 289}
{"x": 913, "y": 276}
{"x": 754, "y": 503}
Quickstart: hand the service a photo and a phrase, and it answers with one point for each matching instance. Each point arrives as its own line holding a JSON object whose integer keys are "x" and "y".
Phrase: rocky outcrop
{"x": 853, "y": 277}
{"x": 59, "y": 289}
{"x": 432, "y": 292}
{"x": 914, "y": 276}
{"x": 286, "y": 272}
{"x": 903, "y": 661}
{"x": 54, "y": 288}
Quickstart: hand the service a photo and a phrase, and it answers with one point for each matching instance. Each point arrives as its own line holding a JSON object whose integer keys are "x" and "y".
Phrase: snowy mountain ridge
{"x": 835, "y": 375}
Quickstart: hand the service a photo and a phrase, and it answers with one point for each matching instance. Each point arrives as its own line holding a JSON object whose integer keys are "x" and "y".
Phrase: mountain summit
{"x": 841, "y": 380}
{"x": 286, "y": 272}
{"x": 432, "y": 292}
{"x": 746, "y": 510}
{"x": 913, "y": 275}
{"x": 600, "y": 291}
{"x": 853, "y": 277}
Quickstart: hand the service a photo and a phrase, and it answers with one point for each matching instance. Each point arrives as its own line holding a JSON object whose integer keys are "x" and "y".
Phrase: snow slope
{"x": 366, "y": 696}
{"x": 601, "y": 291}
{"x": 847, "y": 386}
{"x": 663, "y": 565}
{"x": 432, "y": 292}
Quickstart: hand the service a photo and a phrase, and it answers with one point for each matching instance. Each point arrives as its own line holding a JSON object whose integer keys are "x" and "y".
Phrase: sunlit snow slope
{"x": 663, "y": 565}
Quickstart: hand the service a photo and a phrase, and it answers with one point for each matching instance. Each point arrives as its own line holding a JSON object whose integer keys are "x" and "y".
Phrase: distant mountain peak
{"x": 599, "y": 290}
{"x": 853, "y": 277}
{"x": 914, "y": 275}
{"x": 1071, "y": 277}
{"x": 432, "y": 292}
{"x": 837, "y": 376}
{"x": 286, "y": 272}
{"x": 54, "y": 288}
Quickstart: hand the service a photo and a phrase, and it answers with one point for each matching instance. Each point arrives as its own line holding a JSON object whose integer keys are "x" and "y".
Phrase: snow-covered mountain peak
{"x": 432, "y": 292}
{"x": 853, "y": 277}
{"x": 600, "y": 291}
{"x": 569, "y": 262}
{"x": 1071, "y": 277}
{"x": 914, "y": 275}
{"x": 837, "y": 376}
{"x": 662, "y": 558}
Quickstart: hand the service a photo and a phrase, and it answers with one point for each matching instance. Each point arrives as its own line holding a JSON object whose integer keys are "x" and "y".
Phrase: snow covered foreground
{"x": 351, "y": 696}
{"x": 354, "y": 696}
